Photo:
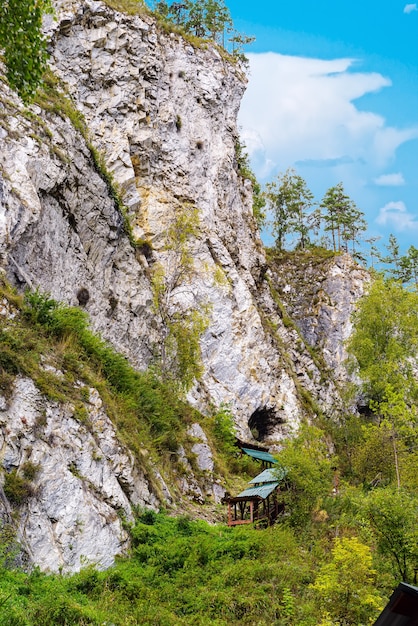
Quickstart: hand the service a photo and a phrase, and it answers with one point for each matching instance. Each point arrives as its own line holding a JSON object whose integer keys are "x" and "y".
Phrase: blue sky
{"x": 333, "y": 93}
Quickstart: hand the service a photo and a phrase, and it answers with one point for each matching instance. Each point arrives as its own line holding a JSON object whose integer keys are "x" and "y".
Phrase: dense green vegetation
{"x": 385, "y": 345}
{"x": 180, "y": 572}
{"x": 23, "y": 44}
{"x": 350, "y": 531}
{"x": 187, "y": 572}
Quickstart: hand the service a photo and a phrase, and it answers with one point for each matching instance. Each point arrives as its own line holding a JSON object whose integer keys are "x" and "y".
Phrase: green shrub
{"x": 16, "y": 488}
{"x": 88, "y": 582}
{"x": 9, "y": 549}
{"x": 224, "y": 429}
{"x": 30, "y": 470}
{"x": 38, "y": 308}
{"x": 81, "y": 415}
{"x": 9, "y": 361}
{"x": 148, "y": 517}
{"x": 57, "y": 611}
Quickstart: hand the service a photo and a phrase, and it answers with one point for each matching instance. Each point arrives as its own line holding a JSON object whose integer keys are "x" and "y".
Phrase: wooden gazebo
{"x": 258, "y": 503}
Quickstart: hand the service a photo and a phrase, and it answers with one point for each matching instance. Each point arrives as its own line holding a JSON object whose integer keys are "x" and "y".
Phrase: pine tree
{"x": 392, "y": 259}
{"x": 408, "y": 266}
{"x": 290, "y": 201}
{"x": 342, "y": 218}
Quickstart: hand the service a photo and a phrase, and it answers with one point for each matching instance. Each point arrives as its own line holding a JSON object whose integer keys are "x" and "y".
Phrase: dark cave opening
{"x": 83, "y": 296}
{"x": 365, "y": 411}
{"x": 263, "y": 422}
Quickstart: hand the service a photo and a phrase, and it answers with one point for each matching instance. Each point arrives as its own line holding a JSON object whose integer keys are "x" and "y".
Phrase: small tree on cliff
{"x": 184, "y": 318}
{"x": 290, "y": 202}
{"x": 203, "y": 18}
{"x": 342, "y": 218}
{"x": 245, "y": 171}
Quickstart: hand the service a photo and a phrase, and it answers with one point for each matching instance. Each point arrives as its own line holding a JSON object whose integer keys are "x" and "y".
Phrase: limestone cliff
{"x": 162, "y": 113}
{"x": 320, "y": 293}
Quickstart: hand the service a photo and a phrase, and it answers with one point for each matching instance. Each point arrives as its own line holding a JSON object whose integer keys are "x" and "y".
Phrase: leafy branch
{"x": 23, "y": 44}
{"x": 184, "y": 318}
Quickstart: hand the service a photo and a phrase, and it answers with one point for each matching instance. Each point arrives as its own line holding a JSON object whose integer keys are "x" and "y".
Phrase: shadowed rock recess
{"x": 160, "y": 116}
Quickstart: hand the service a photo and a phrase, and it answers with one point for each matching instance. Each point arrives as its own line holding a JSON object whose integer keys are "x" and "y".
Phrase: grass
{"x": 130, "y": 7}
{"x": 312, "y": 255}
{"x": 146, "y": 413}
{"x": 181, "y": 572}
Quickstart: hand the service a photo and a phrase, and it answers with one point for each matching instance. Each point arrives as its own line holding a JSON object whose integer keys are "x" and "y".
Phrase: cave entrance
{"x": 263, "y": 422}
{"x": 365, "y": 411}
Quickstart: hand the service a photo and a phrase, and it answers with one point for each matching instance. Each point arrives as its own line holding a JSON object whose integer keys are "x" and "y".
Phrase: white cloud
{"x": 302, "y": 109}
{"x": 396, "y": 214}
{"x": 256, "y": 148}
{"x": 409, "y": 8}
{"x": 390, "y": 180}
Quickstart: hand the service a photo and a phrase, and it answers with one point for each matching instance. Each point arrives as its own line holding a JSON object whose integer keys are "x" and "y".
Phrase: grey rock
{"x": 201, "y": 448}
{"x": 71, "y": 519}
{"x": 162, "y": 113}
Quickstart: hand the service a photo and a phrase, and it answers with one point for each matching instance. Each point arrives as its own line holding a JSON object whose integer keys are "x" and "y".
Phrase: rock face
{"x": 320, "y": 295}
{"x": 83, "y": 479}
{"x": 162, "y": 114}
{"x": 60, "y": 229}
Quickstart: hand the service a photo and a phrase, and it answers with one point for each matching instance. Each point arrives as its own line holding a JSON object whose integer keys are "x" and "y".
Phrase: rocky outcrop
{"x": 320, "y": 294}
{"x": 161, "y": 112}
{"x": 202, "y": 456}
{"x": 60, "y": 230}
{"x": 83, "y": 485}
